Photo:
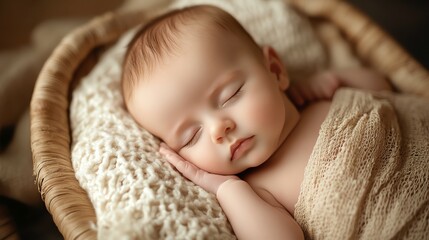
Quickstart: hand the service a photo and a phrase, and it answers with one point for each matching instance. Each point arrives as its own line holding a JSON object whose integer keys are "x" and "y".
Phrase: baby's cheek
{"x": 265, "y": 111}
{"x": 204, "y": 156}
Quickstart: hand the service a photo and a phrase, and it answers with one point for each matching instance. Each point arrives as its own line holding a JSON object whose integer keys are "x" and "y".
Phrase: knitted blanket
{"x": 368, "y": 176}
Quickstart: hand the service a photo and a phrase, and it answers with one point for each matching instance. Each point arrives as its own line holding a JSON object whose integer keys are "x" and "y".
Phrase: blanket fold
{"x": 368, "y": 175}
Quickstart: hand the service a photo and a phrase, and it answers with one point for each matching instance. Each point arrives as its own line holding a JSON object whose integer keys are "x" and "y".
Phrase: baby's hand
{"x": 209, "y": 181}
{"x": 320, "y": 86}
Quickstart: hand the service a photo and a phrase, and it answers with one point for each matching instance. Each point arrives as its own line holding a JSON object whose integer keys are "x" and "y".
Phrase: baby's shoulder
{"x": 307, "y": 130}
{"x": 316, "y": 111}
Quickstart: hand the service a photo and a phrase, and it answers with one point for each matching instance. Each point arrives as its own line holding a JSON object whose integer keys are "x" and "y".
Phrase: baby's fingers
{"x": 210, "y": 182}
{"x": 188, "y": 170}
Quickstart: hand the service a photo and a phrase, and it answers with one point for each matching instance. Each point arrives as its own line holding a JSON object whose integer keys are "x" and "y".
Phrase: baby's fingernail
{"x": 163, "y": 151}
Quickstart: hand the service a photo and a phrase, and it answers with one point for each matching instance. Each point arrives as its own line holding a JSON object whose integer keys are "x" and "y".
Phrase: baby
{"x": 198, "y": 81}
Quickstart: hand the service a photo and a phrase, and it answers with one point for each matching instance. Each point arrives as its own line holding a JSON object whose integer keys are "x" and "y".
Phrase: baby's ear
{"x": 275, "y": 66}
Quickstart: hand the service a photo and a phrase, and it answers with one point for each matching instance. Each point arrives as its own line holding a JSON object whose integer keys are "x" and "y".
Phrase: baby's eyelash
{"x": 194, "y": 139}
{"x": 238, "y": 91}
{"x": 236, "y": 94}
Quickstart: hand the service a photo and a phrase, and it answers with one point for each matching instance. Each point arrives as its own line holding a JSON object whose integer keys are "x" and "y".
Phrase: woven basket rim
{"x": 68, "y": 203}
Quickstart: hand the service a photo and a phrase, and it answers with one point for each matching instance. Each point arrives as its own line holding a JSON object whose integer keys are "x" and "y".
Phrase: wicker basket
{"x": 68, "y": 203}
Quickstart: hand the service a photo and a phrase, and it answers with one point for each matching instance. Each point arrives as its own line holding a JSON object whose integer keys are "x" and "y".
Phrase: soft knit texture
{"x": 368, "y": 175}
{"x": 135, "y": 193}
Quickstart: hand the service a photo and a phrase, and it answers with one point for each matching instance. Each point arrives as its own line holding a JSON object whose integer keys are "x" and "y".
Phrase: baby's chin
{"x": 230, "y": 171}
{"x": 252, "y": 166}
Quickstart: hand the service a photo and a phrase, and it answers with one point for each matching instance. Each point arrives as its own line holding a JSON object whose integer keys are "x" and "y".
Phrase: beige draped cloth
{"x": 368, "y": 175}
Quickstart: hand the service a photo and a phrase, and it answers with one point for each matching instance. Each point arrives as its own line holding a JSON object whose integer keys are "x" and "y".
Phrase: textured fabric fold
{"x": 368, "y": 175}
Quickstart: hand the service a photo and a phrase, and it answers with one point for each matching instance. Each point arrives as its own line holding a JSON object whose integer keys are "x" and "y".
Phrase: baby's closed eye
{"x": 232, "y": 95}
{"x": 194, "y": 138}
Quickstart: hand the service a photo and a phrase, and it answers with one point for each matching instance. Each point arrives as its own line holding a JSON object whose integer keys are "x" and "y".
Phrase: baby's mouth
{"x": 240, "y": 147}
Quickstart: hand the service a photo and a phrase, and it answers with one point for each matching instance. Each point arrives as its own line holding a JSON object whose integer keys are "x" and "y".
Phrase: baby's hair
{"x": 160, "y": 36}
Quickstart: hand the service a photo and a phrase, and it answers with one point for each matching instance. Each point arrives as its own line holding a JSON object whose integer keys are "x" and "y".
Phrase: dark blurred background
{"x": 406, "y": 20}
{"x": 19, "y": 17}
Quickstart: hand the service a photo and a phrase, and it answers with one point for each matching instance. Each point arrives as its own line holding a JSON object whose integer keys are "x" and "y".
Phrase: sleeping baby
{"x": 284, "y": 159}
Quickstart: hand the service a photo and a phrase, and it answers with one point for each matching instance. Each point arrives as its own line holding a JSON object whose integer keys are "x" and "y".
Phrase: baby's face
{"x": 216, "y": 104}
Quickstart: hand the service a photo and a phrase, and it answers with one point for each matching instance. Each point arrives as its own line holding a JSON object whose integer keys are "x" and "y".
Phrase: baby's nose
{"x": 220, "y": 130}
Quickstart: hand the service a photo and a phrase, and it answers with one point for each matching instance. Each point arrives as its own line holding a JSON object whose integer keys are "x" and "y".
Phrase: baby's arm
{"x": 250, "y": 216}
{"x": 254, "y": 218}
{"x": 323, "y": 85}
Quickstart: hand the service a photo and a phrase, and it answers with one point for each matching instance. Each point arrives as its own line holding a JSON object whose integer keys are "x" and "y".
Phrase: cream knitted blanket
{"x": 368, "y": 176}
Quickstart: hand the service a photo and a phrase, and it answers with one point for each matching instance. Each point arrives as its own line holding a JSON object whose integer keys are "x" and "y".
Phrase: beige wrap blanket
{"x": 368, "y": 175}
